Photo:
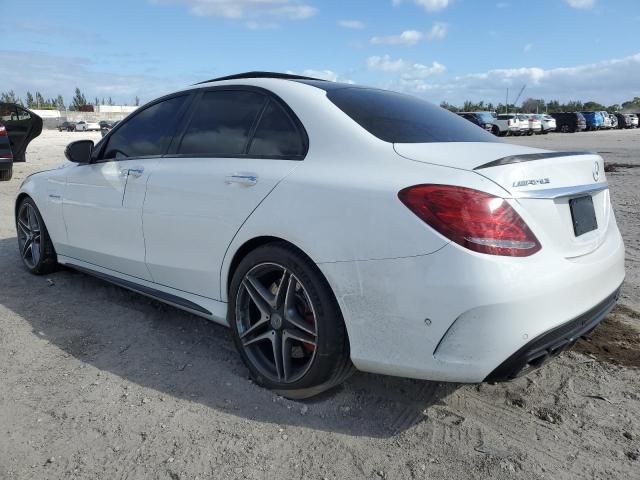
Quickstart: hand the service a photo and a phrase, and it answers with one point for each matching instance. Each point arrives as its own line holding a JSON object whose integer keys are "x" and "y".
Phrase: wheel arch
{"x": 247, "y": 247}
{"x": 19, "y": 199}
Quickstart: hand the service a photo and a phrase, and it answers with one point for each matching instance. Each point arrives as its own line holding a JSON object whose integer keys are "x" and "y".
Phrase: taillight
{"x": 3, "y": 131}
{"x": 476, "y": 220}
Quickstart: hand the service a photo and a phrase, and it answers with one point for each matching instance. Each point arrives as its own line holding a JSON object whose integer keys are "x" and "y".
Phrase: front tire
{"x": 36, "y": 249}
{"x": 286, "y": 323}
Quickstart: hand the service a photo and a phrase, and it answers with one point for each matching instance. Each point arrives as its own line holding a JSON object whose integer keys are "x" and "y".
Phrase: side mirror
{"x": 79, "y": 151}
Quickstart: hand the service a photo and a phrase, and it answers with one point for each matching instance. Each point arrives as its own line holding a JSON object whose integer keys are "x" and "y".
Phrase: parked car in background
{"x": 19, "y": 126}
{"x": 529, "y": 124}
{"x": 6, "y": 155}
{"x": 569, "y": 122}
{"x": 67, "y": 127}
{"x": 83, "y": 126}
{"x": 634, "y": 120}
{"x": 105, "y": 124}
{"x": 614, "y": 120}
{"x": 606, "y": 120}
{"x": 594, "y": 120}
{"x": 508, "y": 124}
{"x": 624, "y": 120}
{"x": 476, "y": 120}
{"x": 547, "y": 122}
{"x": 475, "y": 278}
{"x": 489, "y": 118}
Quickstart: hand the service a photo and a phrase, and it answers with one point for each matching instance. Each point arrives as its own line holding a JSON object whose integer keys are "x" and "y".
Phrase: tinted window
{"x": 276, "y": 135}
{"x": 398, "y": 118}
{"x": 221, "y": 123}
{"x": 147, "y": 133}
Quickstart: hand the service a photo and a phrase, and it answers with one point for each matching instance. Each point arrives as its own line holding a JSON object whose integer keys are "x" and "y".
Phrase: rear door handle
{"x": 133, "y": 172}
{"x": 136, "y": 172}
{"x": 248, "y": 179}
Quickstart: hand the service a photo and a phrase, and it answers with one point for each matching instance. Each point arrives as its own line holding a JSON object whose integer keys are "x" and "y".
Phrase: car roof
{"x": 286, "y": 77}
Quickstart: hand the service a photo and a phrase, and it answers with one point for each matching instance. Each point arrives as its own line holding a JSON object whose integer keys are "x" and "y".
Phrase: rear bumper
{"x": 550, "y": 344}
{"x": 5, "y": 163}
{"x": 458, "y": 316}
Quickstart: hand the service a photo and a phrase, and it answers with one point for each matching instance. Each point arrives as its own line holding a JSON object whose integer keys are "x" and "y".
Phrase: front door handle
{"x": 248, "y": 179}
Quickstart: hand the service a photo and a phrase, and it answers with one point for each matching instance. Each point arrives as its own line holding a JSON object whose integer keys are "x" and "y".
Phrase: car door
{"x": 237, "y": 144}
{"x": 102, "y": 204}
{"x": 22, "y": 126}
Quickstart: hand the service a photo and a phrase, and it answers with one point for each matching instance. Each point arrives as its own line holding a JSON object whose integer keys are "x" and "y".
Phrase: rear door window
{"x": 221, "y": 123}
{"x": 398, "y": 118}
{"x": 148, "y": 133}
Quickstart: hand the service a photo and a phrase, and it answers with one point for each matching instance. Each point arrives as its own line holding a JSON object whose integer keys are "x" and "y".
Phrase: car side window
{"x": 221, "y": 123}
{"x": 23, "y": 114}
{"x": 276, "y": 135}
{"x": 147, "y": 133}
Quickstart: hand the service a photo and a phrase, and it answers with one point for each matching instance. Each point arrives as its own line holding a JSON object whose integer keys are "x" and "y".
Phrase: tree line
{"x": 539, "y": 105}
{"x": 530, "y": 105}
{"x": 40, "y": 102}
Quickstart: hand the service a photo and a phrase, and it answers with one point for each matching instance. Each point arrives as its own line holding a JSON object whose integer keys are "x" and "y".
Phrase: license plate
{"x": 583, "y": 215}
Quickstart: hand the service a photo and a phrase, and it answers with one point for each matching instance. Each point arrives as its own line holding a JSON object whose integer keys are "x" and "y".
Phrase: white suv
{"x": 508, "y": 124}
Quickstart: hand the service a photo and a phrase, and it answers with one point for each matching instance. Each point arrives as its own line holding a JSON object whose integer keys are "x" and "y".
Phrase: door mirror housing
{"x": 79, "y": 151}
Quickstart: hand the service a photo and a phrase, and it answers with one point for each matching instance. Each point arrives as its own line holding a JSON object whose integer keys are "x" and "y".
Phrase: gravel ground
{"x": 98, "y": 382}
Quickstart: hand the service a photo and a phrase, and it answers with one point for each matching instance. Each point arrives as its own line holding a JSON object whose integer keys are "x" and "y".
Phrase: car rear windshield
{"x": 398, "y": 118}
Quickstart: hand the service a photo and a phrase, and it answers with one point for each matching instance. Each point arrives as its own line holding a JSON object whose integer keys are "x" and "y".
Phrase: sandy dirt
{"x": 100, "y": 383}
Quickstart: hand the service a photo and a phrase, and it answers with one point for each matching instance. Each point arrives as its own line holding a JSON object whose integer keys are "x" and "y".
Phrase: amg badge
{"x": 534, "y": 181}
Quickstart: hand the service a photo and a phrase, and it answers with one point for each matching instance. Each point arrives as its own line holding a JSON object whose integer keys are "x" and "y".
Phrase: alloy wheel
{"x": 29, "y": 235}
{"x": 276, "y": 323}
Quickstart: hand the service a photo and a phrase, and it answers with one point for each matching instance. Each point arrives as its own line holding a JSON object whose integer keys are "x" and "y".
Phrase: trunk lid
{"x": 543, "y": 183}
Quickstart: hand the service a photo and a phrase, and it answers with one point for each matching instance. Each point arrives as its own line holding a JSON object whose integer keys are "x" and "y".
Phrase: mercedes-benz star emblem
{"x": 596, "y": 171}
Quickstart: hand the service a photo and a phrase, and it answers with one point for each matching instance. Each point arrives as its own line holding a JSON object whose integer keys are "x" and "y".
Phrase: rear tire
{"x": 286, "y": 323}
{"x": 20, "y": 158}
{"x": 34, "y": 243}
{"x": 5, "y": 175}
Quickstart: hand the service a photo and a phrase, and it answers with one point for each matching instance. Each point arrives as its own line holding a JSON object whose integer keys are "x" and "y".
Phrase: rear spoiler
{"x": 530, "y": 157}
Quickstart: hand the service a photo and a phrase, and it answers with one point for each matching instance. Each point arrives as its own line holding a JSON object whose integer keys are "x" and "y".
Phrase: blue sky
{"x": 440, "y": 49}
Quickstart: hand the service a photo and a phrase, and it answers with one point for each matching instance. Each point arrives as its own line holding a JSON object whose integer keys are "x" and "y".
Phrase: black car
{"x": 18, "y": 126}
{"x": 6, "y": 156}
{"x": 569, "y": 122}
{"x": 67, "y": 126}
{"x": 624, "y": 120}
{"x": 105, "y": 124}
{"x": 475, "y": 119}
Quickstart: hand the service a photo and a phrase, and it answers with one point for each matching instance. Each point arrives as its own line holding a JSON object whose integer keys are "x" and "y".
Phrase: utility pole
{"x": 506, "y": 103}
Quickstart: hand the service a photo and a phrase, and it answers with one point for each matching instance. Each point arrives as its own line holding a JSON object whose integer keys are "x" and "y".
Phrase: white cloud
{"x": 408, "y": 37}
{"x": 385, "y": 63}
{"x": 54, "y": 74}
{"x": 411, "y": 37}
{"x": 409, "y": 72}
{"x": 438, "y": 31}
{"x": 609, "y": 81}
{"x": 581, "y": 3}
{"x": 248, "y": 9}
{"x": 322, "y": 74}
{"x": 428, "y": 5}
{"x": 353, "y": 24}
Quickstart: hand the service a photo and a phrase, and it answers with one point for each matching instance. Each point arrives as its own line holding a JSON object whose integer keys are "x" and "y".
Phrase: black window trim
{"x": 269, "y": 96}
{"x": 180, "y": 116}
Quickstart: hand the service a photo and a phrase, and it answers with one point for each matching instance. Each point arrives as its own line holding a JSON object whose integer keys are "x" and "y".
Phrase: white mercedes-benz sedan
{"x": 334, "y": 227}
